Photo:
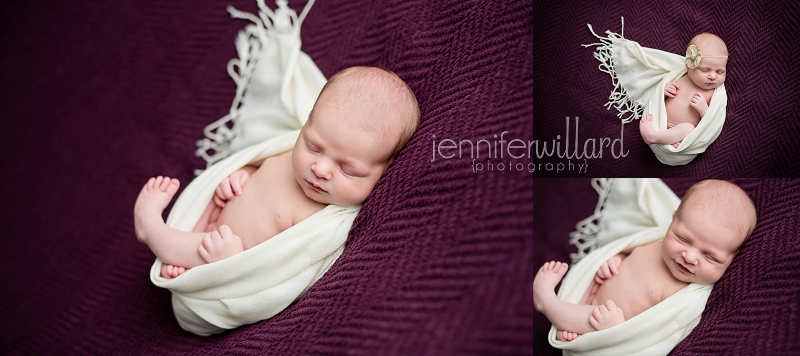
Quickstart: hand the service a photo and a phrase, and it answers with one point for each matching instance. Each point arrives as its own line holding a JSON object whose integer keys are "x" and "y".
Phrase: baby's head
{"x": 362, "y": 119}
{"x": 710, "y": 72}
{"x": 712, "y": 222}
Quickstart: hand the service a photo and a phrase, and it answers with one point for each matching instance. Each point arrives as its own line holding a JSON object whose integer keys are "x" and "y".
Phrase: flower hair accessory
{"x": 693, "y": 56}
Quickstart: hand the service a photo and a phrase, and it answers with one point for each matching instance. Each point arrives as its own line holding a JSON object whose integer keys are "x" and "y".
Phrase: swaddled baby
{"x": 687, "y": 99}
{"x": 712, "y": 222}
{"x": 361, "y": 120}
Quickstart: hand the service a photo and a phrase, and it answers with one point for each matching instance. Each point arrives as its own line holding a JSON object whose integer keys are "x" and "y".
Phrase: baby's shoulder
{"x": 650, "y": 248}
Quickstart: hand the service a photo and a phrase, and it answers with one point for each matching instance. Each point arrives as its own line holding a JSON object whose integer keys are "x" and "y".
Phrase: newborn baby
{"x": 687, "y": 99}
{"x": 712, "y": 222}
{"x": 361, "y": 120}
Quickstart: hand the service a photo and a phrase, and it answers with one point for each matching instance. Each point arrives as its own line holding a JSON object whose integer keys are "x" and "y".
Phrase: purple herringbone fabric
{"x": 98, "y": 96}
{"x": 760, "y": 135}
{"x": 753, "y": 309}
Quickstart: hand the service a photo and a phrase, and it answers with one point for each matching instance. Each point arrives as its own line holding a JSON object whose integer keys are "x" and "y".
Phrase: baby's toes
{"x": 165, "y": 271}
{"x": 164, "y": 184}
{"x": 151, "y": 183}
{"x": 173, "y": 186}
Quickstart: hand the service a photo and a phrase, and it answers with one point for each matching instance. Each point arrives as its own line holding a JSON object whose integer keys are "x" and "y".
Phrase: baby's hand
{"x": 609, "y": 269}
{"x": 230, "y": 187}
{"x": 671, "y": 89}
{"x": 698, "y": 102}
{"x": 606, "y": 316}
{"x": 219, "y": 245}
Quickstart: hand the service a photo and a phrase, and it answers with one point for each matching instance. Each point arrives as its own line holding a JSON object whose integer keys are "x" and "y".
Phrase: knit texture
{"x": 99, "y": 96}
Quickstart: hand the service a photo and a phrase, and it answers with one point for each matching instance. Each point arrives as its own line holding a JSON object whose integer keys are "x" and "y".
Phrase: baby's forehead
{"x": 711, "y": 45}
{"x": 716, "y": 63}
{"x": 722, "y": 210}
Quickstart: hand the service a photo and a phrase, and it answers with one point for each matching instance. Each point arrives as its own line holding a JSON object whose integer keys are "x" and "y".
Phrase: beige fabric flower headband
{"x": 694, "y": 55}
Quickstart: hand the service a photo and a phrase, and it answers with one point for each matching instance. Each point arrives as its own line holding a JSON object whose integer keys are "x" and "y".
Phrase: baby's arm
{"x": 232, "y": 185}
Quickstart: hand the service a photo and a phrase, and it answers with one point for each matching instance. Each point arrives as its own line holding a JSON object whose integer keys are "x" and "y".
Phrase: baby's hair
{"x": 711, "y": 44}
{"x": 386, "y": 94}
{"x": 736, "y": 209}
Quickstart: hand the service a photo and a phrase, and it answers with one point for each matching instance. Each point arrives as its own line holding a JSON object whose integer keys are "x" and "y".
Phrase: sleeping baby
{"x": 361, "y": 120}
{"x": 688, "y": 98}
{"x": 710, "y": 225}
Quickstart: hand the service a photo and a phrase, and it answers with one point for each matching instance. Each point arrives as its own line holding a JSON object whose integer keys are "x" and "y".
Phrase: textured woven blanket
{"x": 640, "y": 74}
{"x": 99, "y": 96}
{"x": 657, "y": 330}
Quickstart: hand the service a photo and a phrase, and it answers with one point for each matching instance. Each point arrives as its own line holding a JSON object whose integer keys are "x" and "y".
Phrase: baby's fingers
{"x": 614, "y": 267}
{"x": 593, "y": 321}
{"x": 243, "y": 176}
{"x": 610, "y": 305}
{"x": 605, "y": 269}
{"x": 203, "y": 249}
{"x": 226, "y": 188}
{"x": 225, "y": 231}
{"x": 218, "y": 201}
{"x": 236, "y": 185}
{"x": 598, "y": 279}
{"x": 597, "y": 314}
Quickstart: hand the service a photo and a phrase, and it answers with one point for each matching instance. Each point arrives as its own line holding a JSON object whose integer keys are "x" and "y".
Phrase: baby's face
{"x": 710, "y": 74}
{"x": 334, "y": 160}
{"x": 696, "y": 248}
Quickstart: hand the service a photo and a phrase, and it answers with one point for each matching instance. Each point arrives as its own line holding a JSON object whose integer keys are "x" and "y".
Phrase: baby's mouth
{"x": 315, "y": 187}
{"x": 683, "y": 269}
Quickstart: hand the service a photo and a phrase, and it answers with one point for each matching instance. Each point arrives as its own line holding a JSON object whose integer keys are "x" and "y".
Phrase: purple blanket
{"x": 761, "y": 135}
{"x": 752, "y": 310}
{"x": 98, "y": 96}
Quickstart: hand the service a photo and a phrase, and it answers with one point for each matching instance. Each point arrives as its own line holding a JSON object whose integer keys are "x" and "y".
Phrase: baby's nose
{"x": 321, "y": 170}
{"x": 689, "y": 257}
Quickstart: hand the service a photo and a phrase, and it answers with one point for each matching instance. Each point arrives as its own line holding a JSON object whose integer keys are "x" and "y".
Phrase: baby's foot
{"x": 563, "y": 335}
{"x": 646, "y": 128}
{"x": 677, "y": 144}
{"x": 170, "y": 271}
{"x": 545, "y": 282}
{"x": 152, "y": 200}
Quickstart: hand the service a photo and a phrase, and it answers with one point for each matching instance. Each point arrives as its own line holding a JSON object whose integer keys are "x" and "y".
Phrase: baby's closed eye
{"x": 347, "y": 171}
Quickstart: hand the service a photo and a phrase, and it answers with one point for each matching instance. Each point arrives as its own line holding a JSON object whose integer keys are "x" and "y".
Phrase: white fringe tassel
{"x": 585, "y": 235}
{"x": 618, "y": 98}
{"x": 218, "y": 135}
